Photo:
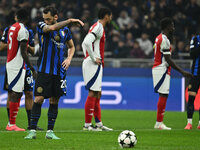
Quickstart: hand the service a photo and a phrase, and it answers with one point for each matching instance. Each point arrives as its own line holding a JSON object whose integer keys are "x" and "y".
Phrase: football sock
{"x": 35, "y": 115}
{"x": 14, "y": 108}
{"x": 28, "y": 112}
{"x": 89, "y": 109}
{"x": 189, "y": 120}
{"x": 8, "y": 111}
{"x": 161, "y": 108}
{"x": 88, "y": 124}
{"x": 190, "y": 106}
{"x": 97, "y": 111}
{"x": 199, "y": 122}
{"x": 52, "y": 115}
{"x": 99, "y": 124}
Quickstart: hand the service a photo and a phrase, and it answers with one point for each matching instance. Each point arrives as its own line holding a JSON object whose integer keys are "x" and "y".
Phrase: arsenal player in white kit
{"x": 18, "y": 37}
{"x": 161, "y": 69}
{"x": 92, "y": 68}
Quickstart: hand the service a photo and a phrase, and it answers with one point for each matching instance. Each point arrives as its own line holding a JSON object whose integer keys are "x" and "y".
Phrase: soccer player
{"x": 28, "y": 83}
{"x": 92, "y": 68}
{"x": 194, "y": 81}
{"x": 162, "y": 67}
{"x": 18, "y": 37}
{"x": 51, "y": 82}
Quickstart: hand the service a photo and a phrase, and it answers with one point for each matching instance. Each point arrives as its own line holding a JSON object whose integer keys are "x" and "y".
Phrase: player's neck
{"x": 103, "y": 22}
{"x": 165, "y": 33}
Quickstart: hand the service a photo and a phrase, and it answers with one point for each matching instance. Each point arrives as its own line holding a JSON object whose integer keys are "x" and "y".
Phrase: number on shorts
{"x": 63, "y": 84}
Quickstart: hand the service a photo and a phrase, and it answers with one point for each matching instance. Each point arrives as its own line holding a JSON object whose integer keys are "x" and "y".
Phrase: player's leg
{"x": 52, "y": 115}
{"x": 161, "y": 82}
{"x": 89, "y": 109}
{"x": 192, "y": 91}
{"x": 28, "y": 91}
{"x": 43, "y": 85}
{"x": 14, "y": 108}
{"x": 16, "y": 86}
{"x": 97, "y": 114}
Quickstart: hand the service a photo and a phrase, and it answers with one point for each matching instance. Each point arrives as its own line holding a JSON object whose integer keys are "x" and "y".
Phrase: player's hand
{"x": 66, "y": 63}
{"x": 187, "y": 74}
{"x": 98, "y": 61}
{"x": 34, "y": 74}
{"x": 76, "y": 22}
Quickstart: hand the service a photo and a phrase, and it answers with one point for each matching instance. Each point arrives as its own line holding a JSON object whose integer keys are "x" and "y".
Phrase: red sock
{"x": 97, "y": 111}
{"x": 14, "y": 107}
{"x": 19, "y": 102}
{"x": 161, "y": 108}
{"x": 89, "y": 109}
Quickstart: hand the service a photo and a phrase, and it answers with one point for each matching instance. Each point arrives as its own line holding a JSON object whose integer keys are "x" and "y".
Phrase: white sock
{"x": 88, "y": 124}
{"x": 189, "y": 120}
{"x": 99, "y": 124}
{"x": 158, "y": 123}
{"x": 199, "y": 122}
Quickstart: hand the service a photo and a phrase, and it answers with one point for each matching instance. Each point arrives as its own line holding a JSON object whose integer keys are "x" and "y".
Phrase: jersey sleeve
{"x": 4, "y": 37}
{"x": 97, "y": 31}
{"x": 23, "y": 34}
{"x": 31, "y": 37}
{"x": 165, "y": 46}
{"x": 40, "y": 27}
{"x": 68, "y": 34}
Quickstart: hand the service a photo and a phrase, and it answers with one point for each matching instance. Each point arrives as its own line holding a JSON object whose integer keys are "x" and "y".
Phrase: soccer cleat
{"x": 104, "y": 128}
{"x": 198, "y": 127}
{"x": 14, "y": 128}
{"x": 31, "y": 135}
{"x": 37, "y": 128}
{"x": 188, "y": 126}
{"x": 161, "y": 126}
{"x": 91, "y": 128}
{"x": 51, "y": 135}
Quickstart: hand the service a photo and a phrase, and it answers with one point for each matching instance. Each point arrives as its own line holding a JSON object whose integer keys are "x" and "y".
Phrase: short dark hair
{"x": 104, "y": 11}
{"x": 22, "y": 14}
{"x": 50, "y": 9}
{"x": 165, "y": 22}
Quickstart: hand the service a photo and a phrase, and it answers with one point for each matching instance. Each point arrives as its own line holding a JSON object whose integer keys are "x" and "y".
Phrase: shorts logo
{"x": 189, "y": 86}
{"x": 39, "y": 89}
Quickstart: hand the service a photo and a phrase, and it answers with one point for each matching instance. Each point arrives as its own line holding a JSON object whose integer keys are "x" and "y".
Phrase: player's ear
{"x": 56, "y": 17}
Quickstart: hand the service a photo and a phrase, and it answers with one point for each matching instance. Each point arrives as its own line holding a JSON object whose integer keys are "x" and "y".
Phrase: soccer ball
{"x": 127, "y": 139}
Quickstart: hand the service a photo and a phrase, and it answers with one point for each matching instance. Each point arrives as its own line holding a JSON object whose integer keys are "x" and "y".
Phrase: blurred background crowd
{"x": 135, "y": 23}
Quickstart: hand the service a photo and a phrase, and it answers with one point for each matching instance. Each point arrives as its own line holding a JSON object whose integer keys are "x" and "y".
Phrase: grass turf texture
{"x": 69, "y": 128}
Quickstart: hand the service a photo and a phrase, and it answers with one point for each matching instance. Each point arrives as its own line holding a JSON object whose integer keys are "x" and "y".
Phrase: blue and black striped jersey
{"x": 4, "y": 38}
{"x": 195, "y": 54}
{"x": 53, "y": 48}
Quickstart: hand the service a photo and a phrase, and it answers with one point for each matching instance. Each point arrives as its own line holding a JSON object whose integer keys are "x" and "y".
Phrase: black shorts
{"x": 49, "y": 85}
{"x": 28, "y": 83}
{"x": 194, "y": 84}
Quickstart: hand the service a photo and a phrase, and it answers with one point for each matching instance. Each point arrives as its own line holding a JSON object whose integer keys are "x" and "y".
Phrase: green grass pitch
{"x": 69, "y": 128}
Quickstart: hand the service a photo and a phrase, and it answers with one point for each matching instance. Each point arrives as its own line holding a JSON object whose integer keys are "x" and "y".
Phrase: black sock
{"x": 52, "y": 115}
{"x": 35, "y": 115}
{"x": 190, "y": 106}
{"x": 29, "y": 117}
{"x": 8, "y": 111}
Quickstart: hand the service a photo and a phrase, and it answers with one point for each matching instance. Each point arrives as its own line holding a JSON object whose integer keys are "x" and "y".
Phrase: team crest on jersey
{"x": 63, "y": 33}
{"x": 57, "y": 38}
{"x": 39, "y": 89}
{"x": 189, "y": 86}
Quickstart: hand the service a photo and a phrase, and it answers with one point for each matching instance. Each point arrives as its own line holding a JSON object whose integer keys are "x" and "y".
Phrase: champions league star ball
{"x": 127, "y": 139}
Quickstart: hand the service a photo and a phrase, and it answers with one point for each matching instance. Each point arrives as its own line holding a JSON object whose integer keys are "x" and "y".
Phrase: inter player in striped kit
{"x": 92, "y": 68}
{"x": 51, "y": 82}
{"x": 162, "y": 68}
{"x": 194, "y": 83}
{"x": 18, "y": 37}
{"x": 28, "y": 83}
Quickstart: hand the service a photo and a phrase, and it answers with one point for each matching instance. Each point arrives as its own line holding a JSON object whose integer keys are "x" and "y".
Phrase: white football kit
{"x": 161, "y": 70}
{"x": 15, "y": 65}
{"x": 93, "y": 47}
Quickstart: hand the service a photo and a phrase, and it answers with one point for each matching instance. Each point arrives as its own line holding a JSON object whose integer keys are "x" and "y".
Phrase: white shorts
{"x": 16, "y": 79}
{"x": 92, "y": 75}
{"x": 161, "y": 80}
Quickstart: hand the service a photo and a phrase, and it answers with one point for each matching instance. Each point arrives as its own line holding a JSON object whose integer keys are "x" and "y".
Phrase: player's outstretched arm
{"x": 176, "y": 67}
{"x": 23, "y": 48}
{"x": 59, "y": 25}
